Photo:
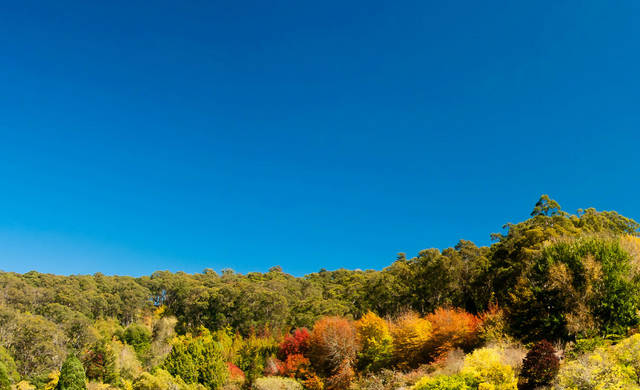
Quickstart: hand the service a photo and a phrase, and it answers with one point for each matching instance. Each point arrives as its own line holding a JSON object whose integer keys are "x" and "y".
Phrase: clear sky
{"x": 138, "y": 136}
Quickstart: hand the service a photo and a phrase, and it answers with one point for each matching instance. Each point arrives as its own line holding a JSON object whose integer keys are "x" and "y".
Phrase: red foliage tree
{"x": 539, "y": 367}
{"x": 296, "y": 343}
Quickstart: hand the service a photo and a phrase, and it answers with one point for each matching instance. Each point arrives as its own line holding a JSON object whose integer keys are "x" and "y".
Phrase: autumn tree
{"x": 100, "y": 362}
{"x": 540, "y": 366}
{"x": 295, "y": 343}
{"x": 376, "y": 342}
{"x": 452, "y": 328}
{"x": 334, "y": 348}
{"x": 411, "y": 336}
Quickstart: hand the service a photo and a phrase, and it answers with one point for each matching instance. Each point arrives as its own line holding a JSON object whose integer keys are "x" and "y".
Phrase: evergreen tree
{"x": 5, "y": 382}
{"x": 72, "y": 376}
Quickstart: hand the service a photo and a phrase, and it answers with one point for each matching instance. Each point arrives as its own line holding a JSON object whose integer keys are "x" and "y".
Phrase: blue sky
{"x": 137, "y": 136}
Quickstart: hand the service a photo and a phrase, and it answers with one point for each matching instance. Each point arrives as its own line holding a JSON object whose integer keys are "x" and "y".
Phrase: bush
{"x": 443, "y": 382}
{"x": 598, "y": 370}
{"x": 276, "y": 383}
{"x": 485, "y": 369}
{"x": 72, "y": 376}
{"x": 162, "y": 380}
{"x": 540, "y": 366}
{"x": 296, "y": 366}
{"x": 375, "y": 341}
{"x": 10, "y": 367}
{"x": 627, "y": 353}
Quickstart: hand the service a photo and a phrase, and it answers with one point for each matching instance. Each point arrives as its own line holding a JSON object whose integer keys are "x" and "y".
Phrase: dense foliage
{"x": 460, "y": 312}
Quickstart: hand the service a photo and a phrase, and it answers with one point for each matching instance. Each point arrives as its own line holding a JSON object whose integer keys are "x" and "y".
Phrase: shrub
{"x": 451, "y": 328}
{"x": 486, "y": 370}
{"x": 540, "y": 366}
{"x": 296, "y": 366}
{"x": 234, "y": 372}
{"x": 411, "y": 335}
{"x": 375, "y": 341}
{"x": 72, "y": 376}
{"x": 584, "y": 346}
{"x": 576, "y": 288}
{"x": 52, "y": 380}
{"x": 276, "y": 383}
{"x": 9, "y": 365}
{"x": 342, "y": 376}
{"x": 162, "y": 380}
{"x": 443, "y": 382}
{"x": 598, "y": 370}
{"x": 296, "y": 343}
{"x": 313, "y": 382}
{"x": 627, "y": 354}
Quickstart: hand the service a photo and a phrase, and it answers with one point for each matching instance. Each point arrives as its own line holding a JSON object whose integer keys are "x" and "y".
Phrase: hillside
{"x": 570, "y": 279}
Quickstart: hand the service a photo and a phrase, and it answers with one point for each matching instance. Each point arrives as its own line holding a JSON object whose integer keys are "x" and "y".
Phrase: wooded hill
{"x": 556, "y": 276}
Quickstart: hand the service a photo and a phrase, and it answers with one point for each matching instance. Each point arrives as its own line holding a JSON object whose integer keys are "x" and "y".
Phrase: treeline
{"x": 555, "y": 276}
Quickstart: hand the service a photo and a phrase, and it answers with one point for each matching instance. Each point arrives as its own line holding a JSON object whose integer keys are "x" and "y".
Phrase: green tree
{"x": 5, "y": 382}
{"x": 72, "y": 376}
{"x": 139, "y": 337}
{"x": 198, "y": 360}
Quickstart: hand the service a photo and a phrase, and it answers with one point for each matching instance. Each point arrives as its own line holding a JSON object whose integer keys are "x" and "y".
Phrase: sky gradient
{"x": 138, "y": 136}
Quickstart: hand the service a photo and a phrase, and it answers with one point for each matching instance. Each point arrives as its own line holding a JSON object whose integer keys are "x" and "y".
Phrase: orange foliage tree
{"x": 451, "y": 328}
{"x": 333, "y": 350}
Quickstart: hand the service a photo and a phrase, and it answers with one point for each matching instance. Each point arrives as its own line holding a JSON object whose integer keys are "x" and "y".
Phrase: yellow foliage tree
{"x": 411, "y": 335}
{"x": 375, "y": 341}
